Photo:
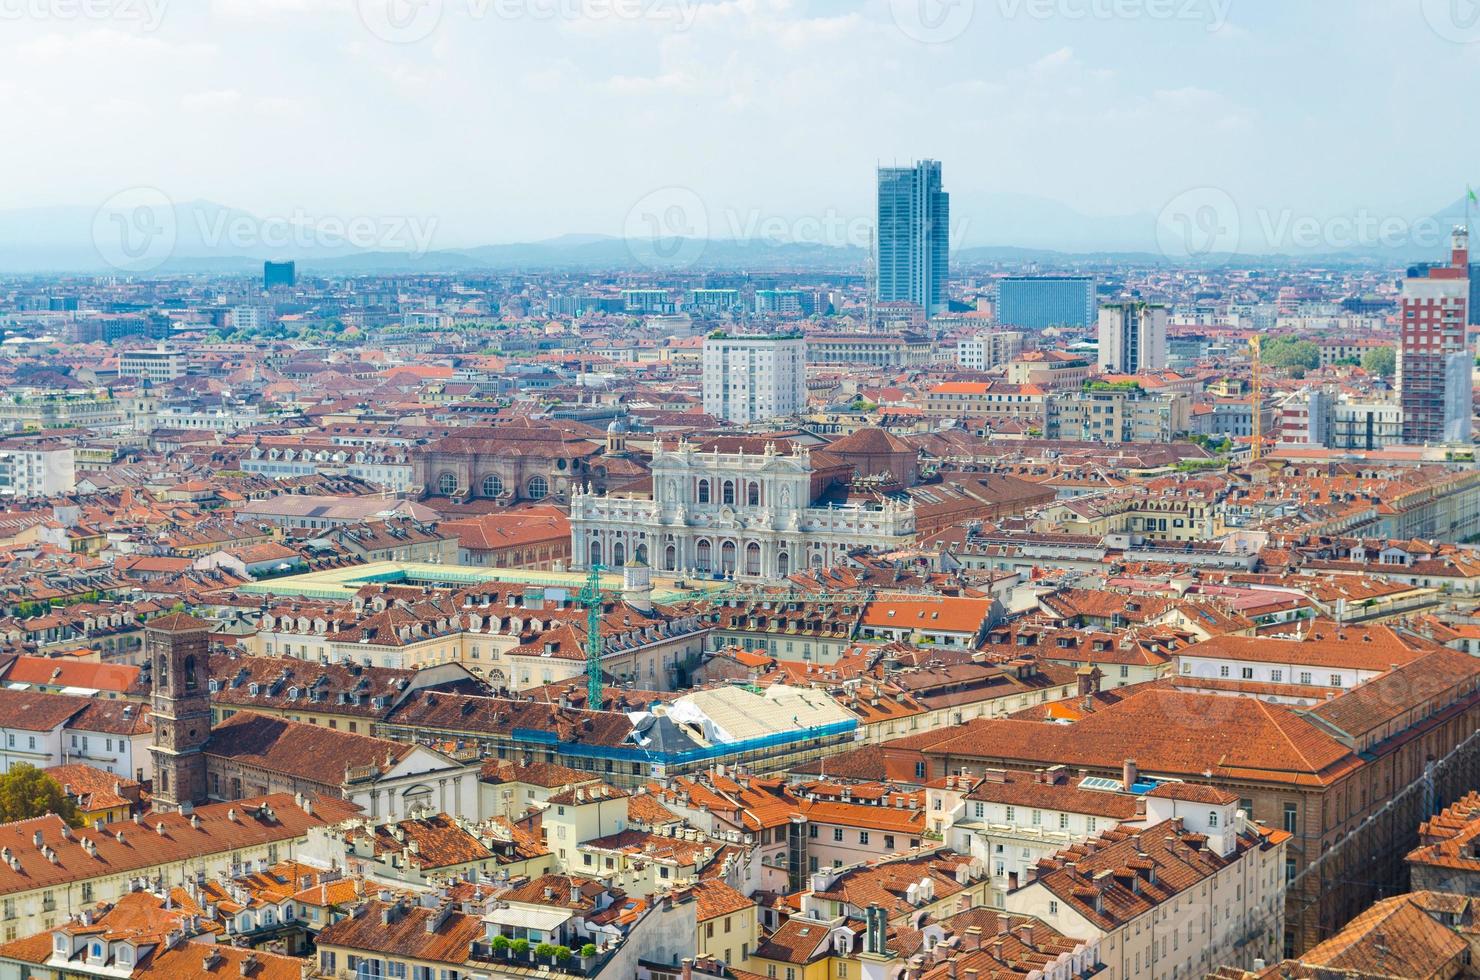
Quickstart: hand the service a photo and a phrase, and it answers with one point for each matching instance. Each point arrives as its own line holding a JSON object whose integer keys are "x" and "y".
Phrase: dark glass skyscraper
{"x": 279, "y": 274}
{"x": 914, "y": 236}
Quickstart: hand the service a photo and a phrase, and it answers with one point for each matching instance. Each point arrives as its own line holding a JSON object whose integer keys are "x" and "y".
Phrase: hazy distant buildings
{"x": 646, "y": 301}
{"x": 714, "y": 300}
{"x": 1133, "y": 337}
{"x": 756, "y": 378}
{"x": 1036, "y": 302}
{"x": 780, "y": 302}
{"x": 279, "y": 274}
{"x": 1434, "y": 386}
{"x": 913, "y": 236}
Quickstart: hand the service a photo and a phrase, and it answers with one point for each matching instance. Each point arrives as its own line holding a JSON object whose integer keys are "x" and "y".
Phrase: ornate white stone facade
{"x": 750, "y": 515}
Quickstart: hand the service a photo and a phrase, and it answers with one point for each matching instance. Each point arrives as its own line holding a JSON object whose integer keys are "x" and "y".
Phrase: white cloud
{"x": 1054, "y": 60}
{"x": 215, "y": 100}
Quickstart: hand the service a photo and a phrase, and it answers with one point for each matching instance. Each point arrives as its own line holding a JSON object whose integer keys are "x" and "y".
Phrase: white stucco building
{"x": 1190, "y": 886}
{"x": 755, "y": 379}
{"x": 734, "y": 506}
{"x": 36, "y": 470}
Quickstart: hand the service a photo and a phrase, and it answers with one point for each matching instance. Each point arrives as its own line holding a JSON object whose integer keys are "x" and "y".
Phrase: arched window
{"x": 703, "y": 556}
{"x": 189, "y": 667}
{"x": 816, "y": 559}
{"x": 670, "y": 559}
{"x": 619, "y": 554}
{"x": 446, "y": 484}
{"x": 727, "y": 557}
{"x": 492, "y": 485}
{"x": 783, "y": 565}
{"x": 162, "y": 668}
{"x": 753, "y": 494}
{"x": 1212, "y": 818}
{"x": 703, "y": 491}
{"x": 752, "y": 559}
{"x": 538, "y": 488}
{"x": 595, "y": 553}
{"x": 641, "y": 554}
{"x": 416, "y": 796}
{"x": 729, "y": 491}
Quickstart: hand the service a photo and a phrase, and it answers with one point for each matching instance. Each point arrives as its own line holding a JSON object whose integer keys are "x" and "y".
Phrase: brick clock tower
{"x": 177, "y": 645}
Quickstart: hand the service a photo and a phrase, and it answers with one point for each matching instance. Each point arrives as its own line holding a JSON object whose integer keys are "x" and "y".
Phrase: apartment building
{"x": 157, "y": 366}
{"x": 754, "y": 378}
{"x": 1133, "y": 337}
{"x": 1119, "y": 413}
{"x": 1193, "y": 887}
{"x": 987, "y": 350}
{"x": 987, "y": 400}
{"x": 1010, "y": 819}
{"x": 52, "y": 872}
{"x": 36, "y": 469}
{"x": 880, "y": 350}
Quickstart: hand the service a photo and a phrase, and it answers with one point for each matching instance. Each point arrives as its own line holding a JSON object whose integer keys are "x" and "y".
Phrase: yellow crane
{"x": 1256, "y": 400}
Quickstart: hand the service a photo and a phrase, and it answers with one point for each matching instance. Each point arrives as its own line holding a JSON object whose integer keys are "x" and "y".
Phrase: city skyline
{"x": 739, "y": 489}
{"x": 1033, "y": 94}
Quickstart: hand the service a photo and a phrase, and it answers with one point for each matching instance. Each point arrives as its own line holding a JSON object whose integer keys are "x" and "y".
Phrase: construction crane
{"x": 1256, "y": 400}
{"x": 592, "y": 596}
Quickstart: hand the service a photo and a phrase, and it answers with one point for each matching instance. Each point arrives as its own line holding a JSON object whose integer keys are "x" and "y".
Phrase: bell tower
{"x": 177, "y": 646}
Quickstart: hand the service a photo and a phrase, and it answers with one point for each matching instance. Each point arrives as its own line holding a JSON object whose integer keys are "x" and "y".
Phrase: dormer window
{"x": 125, "y": 955}
{"x": 59, "y": 942}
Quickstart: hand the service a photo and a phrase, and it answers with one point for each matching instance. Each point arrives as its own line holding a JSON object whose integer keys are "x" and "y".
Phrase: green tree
{"x": 1292, "y": 353}
{"x": 1380, "y": 360}
{"x": 27, "y": 792}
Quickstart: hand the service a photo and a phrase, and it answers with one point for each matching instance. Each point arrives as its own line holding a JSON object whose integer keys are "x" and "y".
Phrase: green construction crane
{"x": 590, "y": 596}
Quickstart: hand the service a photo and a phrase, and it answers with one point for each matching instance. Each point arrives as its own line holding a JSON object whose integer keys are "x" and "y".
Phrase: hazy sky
{"x": 508, "y": 121}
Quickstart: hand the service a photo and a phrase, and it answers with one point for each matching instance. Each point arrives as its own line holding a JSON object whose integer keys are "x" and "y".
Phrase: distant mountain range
{"x": 145, "y": 233}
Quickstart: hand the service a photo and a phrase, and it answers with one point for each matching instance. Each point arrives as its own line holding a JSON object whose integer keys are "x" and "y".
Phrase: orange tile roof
{"x": 1168, "y": 732}
{"x": 124, "y": 846}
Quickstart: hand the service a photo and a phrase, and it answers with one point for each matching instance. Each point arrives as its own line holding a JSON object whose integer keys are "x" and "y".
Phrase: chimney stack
{"x": 1129, "y": 774}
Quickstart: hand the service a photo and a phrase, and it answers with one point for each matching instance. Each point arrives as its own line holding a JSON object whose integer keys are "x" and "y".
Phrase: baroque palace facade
{"x": 736, "y": 506}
